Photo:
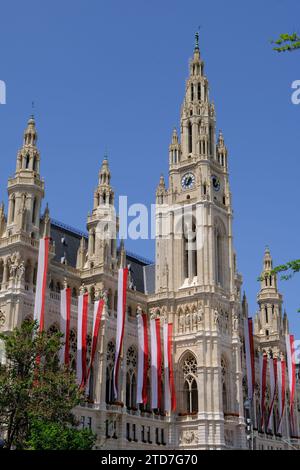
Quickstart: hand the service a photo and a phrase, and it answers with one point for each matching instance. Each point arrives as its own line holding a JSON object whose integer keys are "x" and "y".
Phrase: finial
{"x": 220, "y": 137}
{"x": 162, "y": 180}
{"x": 197, "y": 41}
{"x": 267, "y": 250}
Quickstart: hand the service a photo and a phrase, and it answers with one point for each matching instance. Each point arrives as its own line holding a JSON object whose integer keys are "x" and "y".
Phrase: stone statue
{"x": 200, "y": 315}
{"x": 21, "y": 271}
{"x": 216, "y": 317}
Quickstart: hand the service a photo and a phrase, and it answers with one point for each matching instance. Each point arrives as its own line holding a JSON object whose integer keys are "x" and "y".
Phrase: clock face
{"x": 188, "y": 181}
{"x": 216, "y": 183}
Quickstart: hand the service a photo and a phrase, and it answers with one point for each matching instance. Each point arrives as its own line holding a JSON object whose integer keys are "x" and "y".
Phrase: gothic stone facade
{"x": 194, "y": 283}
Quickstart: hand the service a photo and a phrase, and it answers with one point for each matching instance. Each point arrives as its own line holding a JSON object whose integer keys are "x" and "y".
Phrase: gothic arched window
{"x": 110, "y": 360}
{"x": 189, "y": 398}
{"x": 34, "y": 163}
{"x": 131, "y": 363}
{"x": 225, "y": 385}
{"x": 27, "y": 160}
{"x": 266, "y": 315}
{"x": 93, "y": 242}
{"x": 190, "y": 250}
{"x": 34, "y": 210}
{"x": 192, "y": 92}
{"x": 220, "y": 252}
{"x": 218, "y": 257}
{"x": 190, "y": 138}
{"x": 13, "y": 208}
{"x": 211, "y": 136}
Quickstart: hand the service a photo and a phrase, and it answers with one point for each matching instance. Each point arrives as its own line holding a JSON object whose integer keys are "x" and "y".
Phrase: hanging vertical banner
{"x": 98, "y": 310}
{"x": 170, "y": 396}
{"x": 263, "y": 384}
{"x": 41, "y": 283}
{"x": 156, "y": 358}
{"x": 249, "y": 347}
{"x": 281, "y": 368}
{"x": 122, "y": 293}
{"x": 291, "y": 365}
{"x": 142, "y": 358}
{"x": 65, "y": 315}
{"x": 273, "y": 387}
{"x": 81, "y": 339}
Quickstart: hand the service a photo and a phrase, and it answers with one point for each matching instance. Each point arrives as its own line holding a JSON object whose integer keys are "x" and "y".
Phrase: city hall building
{"x": 194, "y": 283}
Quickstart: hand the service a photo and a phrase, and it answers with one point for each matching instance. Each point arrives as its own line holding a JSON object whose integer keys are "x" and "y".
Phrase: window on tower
{"x": 192, "y": 92}
{"x": 211, "y": 136}
{"x": 34, "y": 210}
{"x": 219, "y": 253}
{"x": 199, "y": 92}
{"x": 189, "y": 250}
{"x": 13, "y": 208}
{"x": 34, "y": 165}
{"x": 266, "y": 315}
{"x": 110, "y": 359}
{"x": 27, "y": 159}
{"x": 190, "y": 138}
{"x": 189, "y": 398}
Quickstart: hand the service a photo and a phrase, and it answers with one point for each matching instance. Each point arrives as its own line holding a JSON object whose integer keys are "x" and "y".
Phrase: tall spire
{"x": 30, "y": 134}
{"x": 269, "y": 301}
{"x": 102, "y": 223}
{"x": 26, "y": 189}
{"x": 161, "y": 191}
{"x": 104, "y": 174}
{"x": 197, "y": 113}
{"x": 268, "y": 262}
{"x": 28, "y": 156}
{"x": 104, "y": 193}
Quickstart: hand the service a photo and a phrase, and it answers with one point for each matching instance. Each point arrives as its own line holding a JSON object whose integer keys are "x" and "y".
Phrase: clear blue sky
{"x": 110, "y": 75}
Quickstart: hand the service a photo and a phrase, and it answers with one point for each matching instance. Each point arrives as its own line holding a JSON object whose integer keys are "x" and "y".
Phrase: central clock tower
{"x": 194, "y": 216}
{"x": 197, "y": 286}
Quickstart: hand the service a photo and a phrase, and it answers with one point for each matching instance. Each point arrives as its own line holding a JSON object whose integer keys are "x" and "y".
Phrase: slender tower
{"x": 26, "y": 188}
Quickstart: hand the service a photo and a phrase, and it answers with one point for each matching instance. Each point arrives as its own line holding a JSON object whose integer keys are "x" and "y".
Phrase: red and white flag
{"x": 41, "y": 283}
{"x": 65, "y": 315}
{"x": 83, "y": 302}
{"x": 281, "y": 367}
{"x": 142, "y": 358}
{"x": 170, "y": 397}
{"x": 249, "y": 347}
{"x": 122, "y": 294}
{"x": 291, "y": 365}
{"x": 273, "y": 386}
{"x": 156, "y": 358}
{"x": 263, "y": 385}
{"x": 98, "y": 310}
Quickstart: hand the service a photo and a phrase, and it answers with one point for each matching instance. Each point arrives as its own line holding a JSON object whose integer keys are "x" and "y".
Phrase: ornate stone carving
{"x": 216, "y": 317}
{"x": 2, "y": 318}
{"x": 189, "y": 437}
{"x": 235, "y": 321}
{"x": 21, "y": 271}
